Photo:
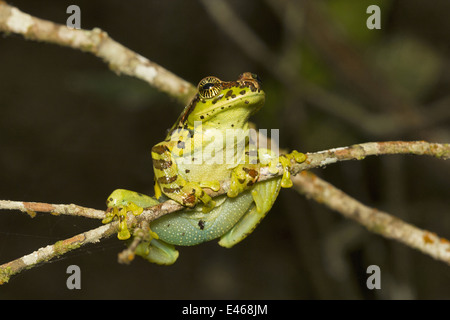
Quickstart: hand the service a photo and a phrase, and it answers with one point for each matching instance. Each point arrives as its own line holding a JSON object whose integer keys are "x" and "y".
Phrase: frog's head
{"x": 225, "y": 104}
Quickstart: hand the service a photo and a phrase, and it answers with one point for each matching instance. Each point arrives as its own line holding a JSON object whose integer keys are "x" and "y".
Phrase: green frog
{"x": 209, "y": 143}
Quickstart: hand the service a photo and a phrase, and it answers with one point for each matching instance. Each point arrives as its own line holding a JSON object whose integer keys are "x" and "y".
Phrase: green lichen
{"x": 5, "y": 274}
{"x": 61, "y": 247}
{"x": 444, "y": 153}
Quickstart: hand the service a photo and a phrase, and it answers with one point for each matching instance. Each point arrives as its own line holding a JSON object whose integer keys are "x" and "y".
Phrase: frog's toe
{"x": 242, "y": 177}
{"x": 213, "y": 185}
{"x": 285, "y": 161}
{"x": 193, "y": 193}
{"x": 208, "y": 202}
{"x": 208, "y": 206}
{"x": 121, "y": 211}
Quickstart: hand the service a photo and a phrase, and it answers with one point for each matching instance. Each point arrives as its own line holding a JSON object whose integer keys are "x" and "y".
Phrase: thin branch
{"x": 374, "y": 220}
{"x": 360, "y": 151}
{"x": 56, "y": 209}
{"x": 97, "y": 42}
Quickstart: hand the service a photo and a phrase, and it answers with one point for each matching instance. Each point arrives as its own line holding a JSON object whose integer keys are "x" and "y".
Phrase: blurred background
{"x": 72, "y": 131}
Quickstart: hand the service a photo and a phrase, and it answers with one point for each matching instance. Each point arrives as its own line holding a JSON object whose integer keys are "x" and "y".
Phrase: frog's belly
{"x": 191, "y": 227}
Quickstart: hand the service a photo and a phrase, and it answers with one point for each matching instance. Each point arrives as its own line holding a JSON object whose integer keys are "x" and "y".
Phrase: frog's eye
{"x": 209, "y": 87}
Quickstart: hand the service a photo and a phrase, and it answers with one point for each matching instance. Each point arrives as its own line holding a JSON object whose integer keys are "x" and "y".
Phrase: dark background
{"x": 72, "y": 131}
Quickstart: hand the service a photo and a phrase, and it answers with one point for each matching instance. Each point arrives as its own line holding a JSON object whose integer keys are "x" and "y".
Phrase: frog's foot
{"x": 120, "y": 212}
{"x": 192, "y": 192}
{"x": 243, "y": 177}
{"x": 285, "y": 161}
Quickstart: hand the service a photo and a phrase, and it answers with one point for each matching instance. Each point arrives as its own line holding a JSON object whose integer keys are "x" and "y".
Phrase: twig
{"x": 97, "y": 42}
{"x": 374, "y": 220}
{"x": 360, "y": 151}
{"x": 56, "y": 209}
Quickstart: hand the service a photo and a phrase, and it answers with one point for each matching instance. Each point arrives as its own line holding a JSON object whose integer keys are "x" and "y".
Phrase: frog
{"x": 197, "y": 155}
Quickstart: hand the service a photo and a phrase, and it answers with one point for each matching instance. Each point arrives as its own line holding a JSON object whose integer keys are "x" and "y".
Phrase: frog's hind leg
{"x": 264, "y": 195}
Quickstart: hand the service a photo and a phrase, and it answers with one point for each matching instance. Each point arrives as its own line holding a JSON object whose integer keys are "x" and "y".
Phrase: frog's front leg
{"x": 169, "y": 182}
{"x": 246, "y": 175}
